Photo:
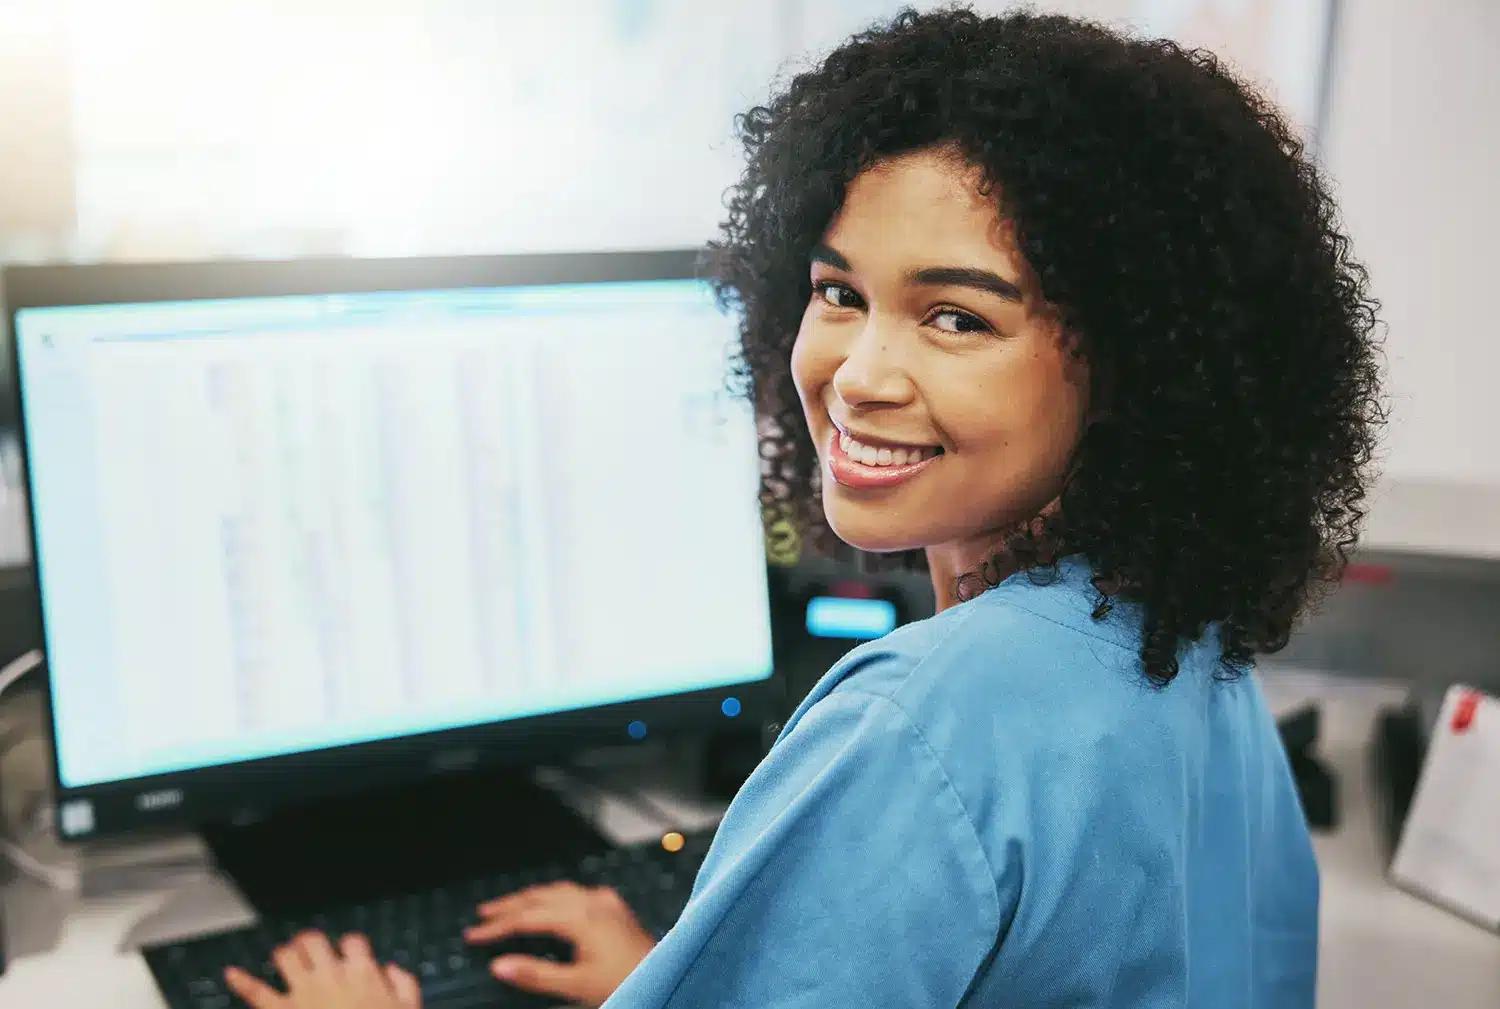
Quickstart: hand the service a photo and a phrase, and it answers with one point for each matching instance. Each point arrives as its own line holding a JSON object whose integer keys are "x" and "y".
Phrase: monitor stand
{"x": 399, "y": 840}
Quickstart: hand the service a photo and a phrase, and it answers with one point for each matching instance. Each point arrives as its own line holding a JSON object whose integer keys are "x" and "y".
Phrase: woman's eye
{"x": 837, "y": 295}
{"x": 951, "y": 320}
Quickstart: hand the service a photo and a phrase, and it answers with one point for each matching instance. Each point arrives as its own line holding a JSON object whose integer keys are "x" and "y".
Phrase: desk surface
{"x": 1380, "y": 946}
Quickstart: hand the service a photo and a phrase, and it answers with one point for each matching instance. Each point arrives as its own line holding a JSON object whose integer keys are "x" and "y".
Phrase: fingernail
{"x": 503, "y": 968}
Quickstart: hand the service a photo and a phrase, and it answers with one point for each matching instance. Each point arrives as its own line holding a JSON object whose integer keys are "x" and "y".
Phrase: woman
{"x": 1067, "y": 316}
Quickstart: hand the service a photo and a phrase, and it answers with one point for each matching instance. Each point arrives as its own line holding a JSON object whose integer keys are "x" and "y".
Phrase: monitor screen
{"x": 274, "y": 525}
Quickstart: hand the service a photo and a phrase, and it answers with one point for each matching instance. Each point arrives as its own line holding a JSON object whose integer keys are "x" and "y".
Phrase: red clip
{"x": 1367, "y": 574}
{"x": 1464, "y": 712}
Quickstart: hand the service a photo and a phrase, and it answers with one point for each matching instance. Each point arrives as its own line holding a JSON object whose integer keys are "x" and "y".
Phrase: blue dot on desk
{"x": 637, "y": 730}
{"x": 731, "y": 706}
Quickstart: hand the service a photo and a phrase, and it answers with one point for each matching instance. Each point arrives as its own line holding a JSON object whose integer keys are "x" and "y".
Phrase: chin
{"x": 869, "y": 528}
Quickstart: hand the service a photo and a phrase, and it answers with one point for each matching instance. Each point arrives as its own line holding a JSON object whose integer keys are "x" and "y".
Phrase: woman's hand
{"x": 608, "y": 941}
{"x": 319, "y": 977}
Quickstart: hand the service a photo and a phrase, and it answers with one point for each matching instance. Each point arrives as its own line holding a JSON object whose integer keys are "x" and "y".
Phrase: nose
{"x": 872, "y": 373}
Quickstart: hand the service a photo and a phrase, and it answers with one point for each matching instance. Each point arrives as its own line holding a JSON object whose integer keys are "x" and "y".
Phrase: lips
{"x": 889, "y": 464}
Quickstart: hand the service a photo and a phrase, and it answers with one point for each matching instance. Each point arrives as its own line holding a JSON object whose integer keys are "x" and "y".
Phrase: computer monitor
{"x": 301, "y": 527}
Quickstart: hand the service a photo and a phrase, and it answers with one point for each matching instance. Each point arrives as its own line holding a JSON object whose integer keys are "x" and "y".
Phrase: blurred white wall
{"x": 37, "y": 156}
{"x": 1414, "y": 144}
{"x": 397, "y": 126}
{"x": 407, "y": 126}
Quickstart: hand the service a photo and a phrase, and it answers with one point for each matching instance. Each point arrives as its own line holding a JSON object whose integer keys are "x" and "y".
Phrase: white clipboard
{"x": 1449, "y": 851}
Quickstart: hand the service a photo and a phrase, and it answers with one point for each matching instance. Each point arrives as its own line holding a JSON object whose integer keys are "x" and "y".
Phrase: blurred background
{"x": 184, "y": 129}
{"x": 195, "y": 129}
{"x": 174, "y": 128}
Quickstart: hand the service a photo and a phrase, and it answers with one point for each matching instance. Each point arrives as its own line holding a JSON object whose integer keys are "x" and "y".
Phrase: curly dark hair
{"x": 1170, "y": 218}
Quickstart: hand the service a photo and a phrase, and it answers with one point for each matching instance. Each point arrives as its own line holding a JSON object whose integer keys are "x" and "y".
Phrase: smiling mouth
{"x": 885, "y": 455}
{"x": 889, "y": 464}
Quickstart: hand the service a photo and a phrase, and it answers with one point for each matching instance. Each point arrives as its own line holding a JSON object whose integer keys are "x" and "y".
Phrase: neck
{"x": 979, "y": 565}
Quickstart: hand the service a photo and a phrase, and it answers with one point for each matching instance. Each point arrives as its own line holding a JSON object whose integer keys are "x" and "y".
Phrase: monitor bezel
{"x": 249, "y": 788}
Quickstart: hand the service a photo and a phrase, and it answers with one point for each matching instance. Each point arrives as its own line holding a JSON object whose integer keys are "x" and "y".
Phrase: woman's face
{"x": 945, "y": 406}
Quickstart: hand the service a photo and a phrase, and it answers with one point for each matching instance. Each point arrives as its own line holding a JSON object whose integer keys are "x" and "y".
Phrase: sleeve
{"x": 846, "y": 872}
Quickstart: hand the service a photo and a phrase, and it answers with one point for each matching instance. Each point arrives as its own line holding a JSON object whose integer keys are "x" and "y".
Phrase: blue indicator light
{"x": 859, "y": 619}
{"x": 637, "y": 730}
{"x": 731, "y": 706}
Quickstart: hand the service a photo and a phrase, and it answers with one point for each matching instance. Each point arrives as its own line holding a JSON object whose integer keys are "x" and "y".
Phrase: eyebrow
{"x": 830, "y": 256}
{"x": 935, "y": 276}
{"x": 966, "y": 276}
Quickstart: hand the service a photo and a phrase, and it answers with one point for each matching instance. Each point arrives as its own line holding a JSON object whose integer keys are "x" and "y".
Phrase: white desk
{"x": 1380, "y": 947}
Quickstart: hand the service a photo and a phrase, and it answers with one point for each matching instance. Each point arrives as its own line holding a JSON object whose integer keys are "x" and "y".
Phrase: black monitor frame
{"x": 245, "y": 789}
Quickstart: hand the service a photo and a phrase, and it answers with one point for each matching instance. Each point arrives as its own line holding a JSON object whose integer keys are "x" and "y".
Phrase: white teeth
{"x": 869, "y": 455}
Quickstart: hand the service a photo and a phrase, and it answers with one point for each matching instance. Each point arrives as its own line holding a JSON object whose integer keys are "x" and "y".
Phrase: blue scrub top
{"x": 994, "y": 808}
